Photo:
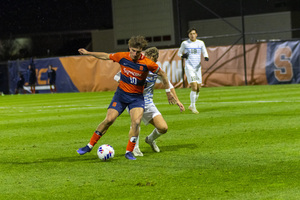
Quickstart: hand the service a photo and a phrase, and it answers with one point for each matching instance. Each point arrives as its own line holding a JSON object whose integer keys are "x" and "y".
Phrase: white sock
{"x": 137, "y": 143}
{"x": 193, "y": 97}
{"x": 197, "y": 96}
{"x": 137, "y": 140}
{"x": 154, "y": 135}
{"x": 91, "y": 146}
{"x": 133, "y": 139}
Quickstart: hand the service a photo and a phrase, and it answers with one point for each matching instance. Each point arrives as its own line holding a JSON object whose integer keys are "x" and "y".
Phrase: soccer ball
{"x": 105, "y": 152}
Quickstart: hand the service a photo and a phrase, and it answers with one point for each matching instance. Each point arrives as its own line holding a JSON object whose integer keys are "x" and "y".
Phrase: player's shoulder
{"x": 146, "y": 60}
{"x": 152, "y": 66}
{"x": 200, "y": 41}
{"x": 118, "y": 56}
{"x": 185, "y": 41}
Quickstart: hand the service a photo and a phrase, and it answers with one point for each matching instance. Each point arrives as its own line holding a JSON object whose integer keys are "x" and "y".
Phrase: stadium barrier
{"x": 266, "y": 63}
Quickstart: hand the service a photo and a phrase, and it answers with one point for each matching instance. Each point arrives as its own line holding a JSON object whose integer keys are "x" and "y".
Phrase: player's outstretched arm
{"x": 180, "y": 105}
{"x": 165, "y": 81}
{"x": 100, "y": 55}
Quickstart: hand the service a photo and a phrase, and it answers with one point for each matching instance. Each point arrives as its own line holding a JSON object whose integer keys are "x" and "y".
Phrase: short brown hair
{"x": 138, "y": 42}
{"x": 152, "y": 52}
{"x": 191, "y": 29}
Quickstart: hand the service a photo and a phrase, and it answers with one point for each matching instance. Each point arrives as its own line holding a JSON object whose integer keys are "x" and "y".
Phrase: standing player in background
{"x": 20, "y": 84}
{"x": 191, "y": 50}
{"x": 151, "y": 114}
{"x": 32, "y": 78}
{"x": 134, "y": 71}
{"x": 52, "y": 78}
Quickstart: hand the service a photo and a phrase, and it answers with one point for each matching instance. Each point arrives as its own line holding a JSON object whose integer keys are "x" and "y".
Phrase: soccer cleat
{"x": 84, "y": 150}
{"x": 152, "y": 144}
{"x": 194, "y": 110}
{"x": 137, "y": 152}
{"x": 129, "y": 156}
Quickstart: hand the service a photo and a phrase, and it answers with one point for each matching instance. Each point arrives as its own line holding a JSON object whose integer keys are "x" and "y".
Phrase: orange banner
{"x": 226, "y": 65}
{"x": 90, "y": 74}
{"x": 225, "y": 68}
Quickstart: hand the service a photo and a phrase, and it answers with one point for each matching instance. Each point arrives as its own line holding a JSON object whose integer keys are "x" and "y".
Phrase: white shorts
{"x": 193, "y": 75}
{"x": 149, "y": 113}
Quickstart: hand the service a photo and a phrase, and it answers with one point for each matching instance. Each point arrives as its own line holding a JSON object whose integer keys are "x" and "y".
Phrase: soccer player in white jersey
{"x": 151, "y": 114}
{"x": 191, "y": 50}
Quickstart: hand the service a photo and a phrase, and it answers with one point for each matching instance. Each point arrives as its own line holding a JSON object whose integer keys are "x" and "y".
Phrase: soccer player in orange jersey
{"x": 151, "y": 113}
{"x": 134, "y": 70}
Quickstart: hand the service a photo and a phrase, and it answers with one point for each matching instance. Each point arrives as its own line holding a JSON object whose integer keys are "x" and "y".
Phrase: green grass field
{"x": 244, "y": 144}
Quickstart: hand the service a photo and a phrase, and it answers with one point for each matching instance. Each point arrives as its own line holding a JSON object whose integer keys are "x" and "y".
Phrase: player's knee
{"x": 109, "y": 120}
{"x": 194, "y": 89}
{"x": 163, "y": 129}
{"x": 136, "y": 124}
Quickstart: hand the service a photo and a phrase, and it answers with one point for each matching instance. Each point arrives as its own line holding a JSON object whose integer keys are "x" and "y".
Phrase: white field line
{"x": 73, "y": 106}
{"x": 56, "y": 107}
{"x": 233, "y": 102}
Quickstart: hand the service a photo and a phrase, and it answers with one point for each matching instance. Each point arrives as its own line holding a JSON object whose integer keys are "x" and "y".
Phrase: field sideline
{"x": 244, "y": 144}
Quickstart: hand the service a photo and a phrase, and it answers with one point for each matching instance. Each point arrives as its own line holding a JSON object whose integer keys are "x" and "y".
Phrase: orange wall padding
{"x": 224, "y": 68}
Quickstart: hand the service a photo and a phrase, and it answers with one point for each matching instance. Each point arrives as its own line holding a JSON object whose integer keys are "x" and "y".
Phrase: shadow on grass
{"x": 174, "y": 147}
{"x": 91, "y": 158}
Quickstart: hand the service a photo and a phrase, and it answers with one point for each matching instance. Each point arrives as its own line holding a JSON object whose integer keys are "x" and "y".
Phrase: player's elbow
{"x": 162, "y": 74}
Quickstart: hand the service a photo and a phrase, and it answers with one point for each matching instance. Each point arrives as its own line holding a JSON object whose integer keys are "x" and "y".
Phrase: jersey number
{"x": 133, "y": 80}
{"x": 194, "y": 51}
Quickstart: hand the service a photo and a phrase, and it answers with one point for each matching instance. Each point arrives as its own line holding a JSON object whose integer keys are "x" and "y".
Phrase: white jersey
{"x": 194, "y": 50}
{"x": 149, "y": 87}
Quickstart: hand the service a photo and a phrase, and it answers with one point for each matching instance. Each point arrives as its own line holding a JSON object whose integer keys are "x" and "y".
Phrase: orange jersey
{"x": 133, "y": 74}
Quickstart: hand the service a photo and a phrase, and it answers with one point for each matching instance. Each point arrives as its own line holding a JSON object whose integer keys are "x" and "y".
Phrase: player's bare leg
{"x": 136, "y": 115}
{"x": 111, "y": 116}
{"x": 193, "y": 97}
{"x": 161, "y": 127}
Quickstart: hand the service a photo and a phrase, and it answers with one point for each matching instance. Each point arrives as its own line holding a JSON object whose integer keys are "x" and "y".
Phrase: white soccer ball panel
{"x": 105, "y": 152}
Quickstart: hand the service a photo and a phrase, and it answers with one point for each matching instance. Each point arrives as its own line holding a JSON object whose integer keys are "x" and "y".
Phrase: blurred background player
{"x": 52, "y": 78}
{"x": 32, "y": 78}
{"x": 134, "y": 71}
{"x": 151, "y": 114}
{"x": 20, "y": 84}
{"x": 191, "y": 50}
